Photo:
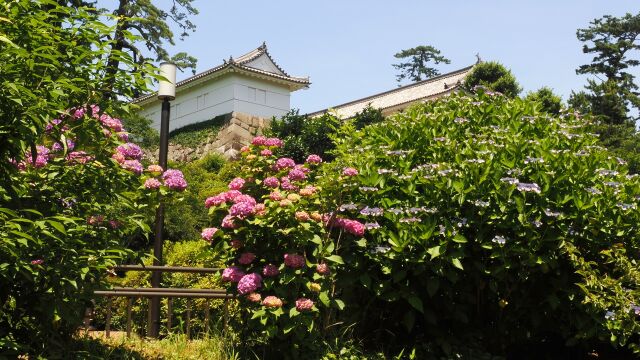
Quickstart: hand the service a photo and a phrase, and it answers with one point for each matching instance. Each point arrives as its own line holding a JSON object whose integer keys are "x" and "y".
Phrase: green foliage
{"x": 150, "y": 22}
{"x": 612, "y": 40}
{"x": 140, "y": 131}
{"x": 206, "y": 177}
{"x": 284, "y": 231}
{"x": 549, "y": 102}
{"x": 303, "y": 135}
{"x": 367, "y": 116}
{"x": 416, "y": 68}
{"x": 526, "y": 235}
{"x": 51, "y": 56}
{"x": 494, "y": 76}
{"x": 196, "y": 134}
{"x": 61, "y": 232}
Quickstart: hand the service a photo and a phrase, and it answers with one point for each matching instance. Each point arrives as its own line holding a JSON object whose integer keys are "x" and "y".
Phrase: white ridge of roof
{"x": 421, "y": 90}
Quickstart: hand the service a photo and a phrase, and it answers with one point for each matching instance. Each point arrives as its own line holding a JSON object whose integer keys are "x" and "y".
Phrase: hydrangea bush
{"x": 73, "y": 199}
{"x": 280, "y": 241}
{"x": 486, "y": 219}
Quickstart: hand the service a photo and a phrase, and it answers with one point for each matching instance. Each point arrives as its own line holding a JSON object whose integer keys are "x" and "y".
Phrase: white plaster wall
{"x": 222, "y": 95}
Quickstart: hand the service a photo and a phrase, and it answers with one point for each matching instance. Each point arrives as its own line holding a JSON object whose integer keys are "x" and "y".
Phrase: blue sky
{"x": 346, "y": 47}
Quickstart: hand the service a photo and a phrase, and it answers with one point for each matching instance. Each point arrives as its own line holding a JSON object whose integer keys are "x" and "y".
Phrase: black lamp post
{"x": 166, "y": 93}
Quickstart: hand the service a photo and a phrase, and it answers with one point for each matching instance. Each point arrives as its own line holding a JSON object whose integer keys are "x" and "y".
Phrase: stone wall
{"x": 238, "y": 131}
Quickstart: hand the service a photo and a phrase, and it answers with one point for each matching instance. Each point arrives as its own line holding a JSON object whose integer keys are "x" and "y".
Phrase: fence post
{"x": 128, "y": 316}
{"x": 169, "y": 313}
{"x": 188, "y": 318}
{"x": 206, "y": 317}
{"x": 107, "y": 328}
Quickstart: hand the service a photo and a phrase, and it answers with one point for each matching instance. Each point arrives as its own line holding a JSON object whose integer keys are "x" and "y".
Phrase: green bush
{"x": 206, "y": 177}
{"x": 490, "y": 223}
{"x": 73, "y": 205}
{"x": 494, "y": 76}
{"x": 547, "y": 100}
{"x": 304, "y": 135}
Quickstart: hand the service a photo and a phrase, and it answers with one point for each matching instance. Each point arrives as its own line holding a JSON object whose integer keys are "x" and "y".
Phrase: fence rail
{"x": 169, "y": 293}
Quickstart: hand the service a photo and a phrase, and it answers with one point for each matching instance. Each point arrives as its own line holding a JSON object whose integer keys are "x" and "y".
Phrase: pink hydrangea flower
{"x": 314, "y": 159}
{"x": 266, "y": 152}
{"x": 302, "y": 216}
{"x": 118, "y": 157}
{"x": 308, "y": 190}
{"x": 294, "y": 261}
{"x": 304, "y": 304}
{"x": 272, "y": 302}
{"x": 271, "y": 182}
{"x": 296, "y": 175}
{"x": 270, "y": 270}
{"x": 323, "y": 269}
{"x": 236, "y": 184}
{"x": 170, "y": 173}
{"x": 228, "y": 223}
{"x": 254, "y": 297}
{"x": 249, "y": 283}
{"x": 231, "y": 195}
{"x": 130, "y": 151}
{"x": 258, "y": 140}
{"x": 77, "y": 113}
{"x": 349, "y": 171}
{"x": 123, "y": 136}
{"x": 37, "y": 262}
{"x": 79, "y": 157}
{"x": 246, "y": 258}
{"x": 114, "y": 224}
{"x": 246, "y": 199}
{"x": 273, "y": 142}
{"x": 245, "y": 149}
{"x": 287, "y": 185}
{"x": 353, "y": 227}
{"x": 133, "y": 166}
{"x": 213, "y": 201}
{"x": 208, "y": 233}
{"x": 285, "y": 163}
{"x": 232, "y": 274}
{"x": 285, "y": 203}
{"x": 154, "y": 169}
{"x": 111, "y": 123}
{"x": 176, "y": 183}
{"x": 95, "y": 109}
{"x": 235, "y": 243}
{"x": 152, "y": 183}
{"x": 260, "y": 209}
{"x": 276, "y": 196}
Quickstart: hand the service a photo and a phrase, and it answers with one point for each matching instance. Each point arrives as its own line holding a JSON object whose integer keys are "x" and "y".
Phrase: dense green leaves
{"x": 506, "y": 223}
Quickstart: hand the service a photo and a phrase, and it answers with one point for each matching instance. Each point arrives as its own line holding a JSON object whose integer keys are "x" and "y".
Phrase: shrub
{"x": 304, "y": 135}
{"x": 367, "y": 116}
{"x": 489, "y": 221}
{"x": 276, "y": 236}
{"x": 206, "y": 176}
{"x": 547, "y": 100}
{"x": 494, "y": 76}
{"x": 74, "y": 199}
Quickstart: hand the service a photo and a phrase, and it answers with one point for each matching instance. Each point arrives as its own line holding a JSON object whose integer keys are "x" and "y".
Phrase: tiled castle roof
{"x": 246, "y": 64}
{"x": 401, "y": 97}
